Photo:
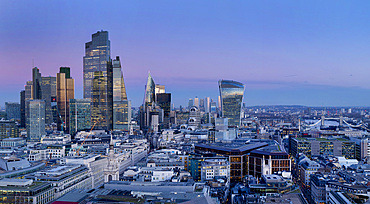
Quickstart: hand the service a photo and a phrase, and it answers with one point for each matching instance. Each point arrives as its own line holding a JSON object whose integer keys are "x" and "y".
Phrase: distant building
{"x": 194, "y": 118}
{"x": 164, "y": 101}
{"x": 35, "y": 120}
{"x": 13, "y": 111}
{"x": 79, "y": 115}
{"x": 231, "y": 93}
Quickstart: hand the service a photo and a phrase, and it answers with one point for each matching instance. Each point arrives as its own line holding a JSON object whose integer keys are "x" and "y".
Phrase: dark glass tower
{"x": 96, "y": 59}
{"x": 231, "y": 94}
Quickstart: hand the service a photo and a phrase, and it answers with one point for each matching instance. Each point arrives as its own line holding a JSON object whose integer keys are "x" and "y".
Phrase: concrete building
{"x": 8, "y": 129}
{"x": 95, "y": 164}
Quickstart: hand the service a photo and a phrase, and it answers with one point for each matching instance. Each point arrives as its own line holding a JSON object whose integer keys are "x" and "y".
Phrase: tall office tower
{"x": 65, "y": 91}
{"x": 149, "y": 101}
{"x": 79, "y": 115}
{"x": 190, "y": 103}
{"x": 160, "y": 89}
{"x": 35, "y": 119}
{"x": 97, "y": 58}
{"x": 219, "y": 103}
{"x": 13, "y": 111}
{"x": 196, "y": 102}
{"x": 102, "y": 99}
{"x": 23, "y": 108}
{"x": 213, "y": 107}
{"x": 207, "y": 104}
{"x": 201, "y": 104}
{"x": 164, "y": 101}
{"x": 36, "y": 83}
{"x": 149, "y": 91}
{"x": 48, "y": 90}
{"x": 121, "y": 106}
{"x": 26, "y": 94}
{"x": 231, "y": 94}
{"x": 28, "y": 88}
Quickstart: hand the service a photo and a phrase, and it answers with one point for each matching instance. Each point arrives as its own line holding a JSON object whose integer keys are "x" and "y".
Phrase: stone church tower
{"x": 111, "y": 172}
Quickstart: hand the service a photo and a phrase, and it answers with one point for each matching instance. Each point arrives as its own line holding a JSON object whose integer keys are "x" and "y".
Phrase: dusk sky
{"x": 314, "y": 53}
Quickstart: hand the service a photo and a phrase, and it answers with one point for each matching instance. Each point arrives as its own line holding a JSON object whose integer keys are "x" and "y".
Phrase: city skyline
{"x": 285, "y": 53}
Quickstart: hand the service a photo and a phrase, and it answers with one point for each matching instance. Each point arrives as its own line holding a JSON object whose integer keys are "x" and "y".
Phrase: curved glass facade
{"x": 231, "y": 93}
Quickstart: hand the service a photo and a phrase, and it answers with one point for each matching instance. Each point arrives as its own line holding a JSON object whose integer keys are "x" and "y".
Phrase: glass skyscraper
{"x": 121, "y": 106}
{"x": 102, "y": 100}
{"x": 231, "y": 94}
{"x": 65, "y": 92}
{"x": 97, "y": 57}
{"x": 79, "y": 115}
{"x": 149, "y": 91}
{"x": 35, "y": 120}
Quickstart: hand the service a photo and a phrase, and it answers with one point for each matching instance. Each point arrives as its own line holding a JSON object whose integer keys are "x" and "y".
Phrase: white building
{"x": 215, "y": 168}
{"x": 96, "y": 165}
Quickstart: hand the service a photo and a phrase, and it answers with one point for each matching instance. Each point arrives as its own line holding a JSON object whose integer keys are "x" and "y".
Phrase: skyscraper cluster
{"x": 51, "y": 100}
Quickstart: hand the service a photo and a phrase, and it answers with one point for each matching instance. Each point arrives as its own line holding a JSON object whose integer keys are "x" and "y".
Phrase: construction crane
{"x": 83, "y": 142}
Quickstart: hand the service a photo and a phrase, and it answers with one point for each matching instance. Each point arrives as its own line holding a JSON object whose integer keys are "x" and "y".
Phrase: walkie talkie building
{"x": 231, "y": 93}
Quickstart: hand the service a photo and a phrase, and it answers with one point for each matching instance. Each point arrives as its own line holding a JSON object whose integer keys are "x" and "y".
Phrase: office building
{"x": 79, "y": 115}
{"x": 231, "y": 98}
{"x": 323, "y": 147}
{"x": 26, "y": 191}
{"x": 149, "y": 91}
{"x": 65, "y": 92}
{"x": 190, "y": 103}
{"x": 13, "y": 111}
{"x": 48, "y": 93}
{"x": 196, "y": 102}
{"x": 35, "y": 120}
{"x": 102, "y": 99}
{"x": 97, "y": 58}
{"x": 26, "y": 94}
{"x": 159, "y": 89}
{"x": 36, "y": 83}
{"x": 207, "y": 104}
{"x": 121, "y": 106}
{"x": 164, "y": 101}
{"x": 214, "y": 169}
{"x": 237, "y": 154}
{"x": 8, "y": 129}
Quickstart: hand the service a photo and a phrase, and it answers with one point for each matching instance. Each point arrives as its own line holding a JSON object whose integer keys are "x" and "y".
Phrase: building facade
{"x": 79, "y": 115}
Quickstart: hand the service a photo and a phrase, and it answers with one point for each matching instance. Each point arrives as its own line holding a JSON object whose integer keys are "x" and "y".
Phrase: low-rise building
{"x": 215, "y": 168}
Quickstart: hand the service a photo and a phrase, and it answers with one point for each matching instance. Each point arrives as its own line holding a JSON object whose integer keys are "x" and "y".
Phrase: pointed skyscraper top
{"x": 119, "y": 89}
{"x": 149, "y": 91}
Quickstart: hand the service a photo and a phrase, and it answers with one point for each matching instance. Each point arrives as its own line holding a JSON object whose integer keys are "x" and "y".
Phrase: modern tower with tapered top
{"x": 231, "y": 98}
{"x": 96, "y": 59}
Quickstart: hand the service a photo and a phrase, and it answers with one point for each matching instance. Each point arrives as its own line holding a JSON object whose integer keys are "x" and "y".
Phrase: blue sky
{"x": 285, "y": 52}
